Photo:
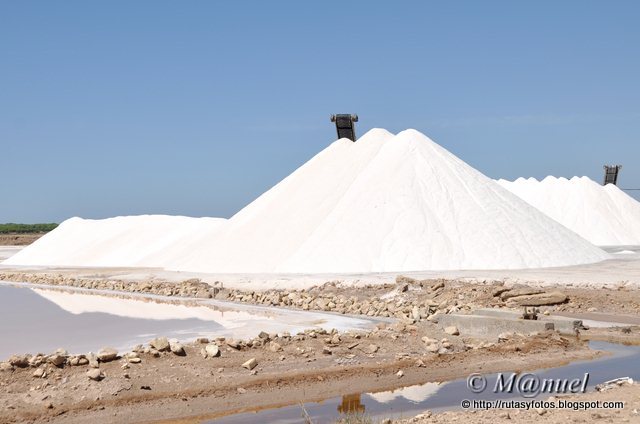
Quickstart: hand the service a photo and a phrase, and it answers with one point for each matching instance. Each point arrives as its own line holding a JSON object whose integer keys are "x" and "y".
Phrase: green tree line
{"x": 26, "y": 228}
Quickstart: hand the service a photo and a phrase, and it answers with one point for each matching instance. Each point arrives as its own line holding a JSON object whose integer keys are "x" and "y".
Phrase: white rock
{"x": 250, "y": 364}
{"x": 160, "y": 344}
{"x": 212, "y": 350}
{"x": 452, "y": 330}
{"x": 275, "y": 347}
{"x": 95, "y": 374}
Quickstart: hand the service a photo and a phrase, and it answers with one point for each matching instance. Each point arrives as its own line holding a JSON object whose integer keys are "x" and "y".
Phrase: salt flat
{"x": 8, "y": 251}
{"x": 623, "y": 268}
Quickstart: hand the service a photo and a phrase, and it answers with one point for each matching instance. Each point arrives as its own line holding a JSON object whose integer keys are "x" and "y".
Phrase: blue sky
{"x": 195, "y": 108}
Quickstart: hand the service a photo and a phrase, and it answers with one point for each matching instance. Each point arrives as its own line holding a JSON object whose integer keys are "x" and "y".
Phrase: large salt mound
{"x": 131, "y": 241}
{"x": 604, "y": 215}
{"x": 381, "y": 204}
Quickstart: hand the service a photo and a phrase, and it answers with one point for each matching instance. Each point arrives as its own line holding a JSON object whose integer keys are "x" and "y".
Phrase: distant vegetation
{"x": 26, "y": 228}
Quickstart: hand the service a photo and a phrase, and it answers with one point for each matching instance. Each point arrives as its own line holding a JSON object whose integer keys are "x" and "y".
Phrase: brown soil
{"x": 173, "y": 387}
{"x": 13, "y": 239}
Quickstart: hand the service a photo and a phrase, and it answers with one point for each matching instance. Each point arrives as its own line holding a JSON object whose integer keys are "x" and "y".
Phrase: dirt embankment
{"x": 14, "y": 239}
{"x": 152, "y": 384}
{"x": 404, "y": 298}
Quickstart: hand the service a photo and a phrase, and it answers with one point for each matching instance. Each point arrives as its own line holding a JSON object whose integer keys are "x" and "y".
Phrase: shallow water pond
{"x": 41, "y": 319}
{"x": 409, "y": 401}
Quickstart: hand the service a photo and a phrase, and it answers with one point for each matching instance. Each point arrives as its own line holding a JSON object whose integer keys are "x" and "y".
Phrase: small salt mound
{"x": 386, "y": 204}
{"x": 124, "y": 241}
{"x": 604, "y": 215}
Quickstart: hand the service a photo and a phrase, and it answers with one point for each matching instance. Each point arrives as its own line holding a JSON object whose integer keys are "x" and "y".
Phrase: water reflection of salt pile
{"x": 77, "y": 303}
{"x": 417, "y": 393}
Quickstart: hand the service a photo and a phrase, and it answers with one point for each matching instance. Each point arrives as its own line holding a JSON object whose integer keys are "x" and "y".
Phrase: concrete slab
{"x": 492, "y": 326}
{"x": 565, "y": 325}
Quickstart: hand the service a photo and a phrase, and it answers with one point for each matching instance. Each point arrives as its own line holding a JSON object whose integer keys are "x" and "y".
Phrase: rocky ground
{"x": 270, "y": 370}
{"x": 404, "y": 298}
{"x": 167, "y": 380}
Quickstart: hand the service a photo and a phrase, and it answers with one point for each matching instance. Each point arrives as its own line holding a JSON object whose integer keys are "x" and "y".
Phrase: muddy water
{"x": 406, "y": 402}
{"x": 40, "y": 319}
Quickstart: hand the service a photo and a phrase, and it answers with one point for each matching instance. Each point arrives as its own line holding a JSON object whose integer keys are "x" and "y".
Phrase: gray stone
{"x": 549, "y": 298}
{"x": 176, "y": 348}
{"x": 415, "y": 313}
{"x": 372, "y": 348}
{"x": 95, "y": 374}
{"x": 57, "y": 360}
{"x": 452, "y": 330}
{"x": 519, "y": 291}
{"x": 93, "y": 360}
{"x": 39, "y": 373}
{"x": 107, "y": 354}
{"x": 275, "y": 347}
{"x": 20, "y": 361}
{"x": 37, "y": 360}
{"x": 432, "y": 347}
{"x": 160, "y": 344}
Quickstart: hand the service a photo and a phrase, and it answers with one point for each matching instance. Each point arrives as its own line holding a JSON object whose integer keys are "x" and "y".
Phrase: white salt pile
{"x": 384, "y": 203}
{"x": 124, "y": 241}
{"x": 604, "y": 215}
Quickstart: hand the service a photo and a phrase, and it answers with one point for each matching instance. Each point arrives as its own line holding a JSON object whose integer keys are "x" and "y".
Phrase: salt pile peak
{"x": 272, "y": 228}
{"x": 387, "y": 203}
{"x": 604, "y": 215}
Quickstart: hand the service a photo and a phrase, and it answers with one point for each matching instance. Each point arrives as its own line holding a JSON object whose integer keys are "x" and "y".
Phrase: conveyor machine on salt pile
{"x": 345, "y": 125}
{"x": 611, "y": 174}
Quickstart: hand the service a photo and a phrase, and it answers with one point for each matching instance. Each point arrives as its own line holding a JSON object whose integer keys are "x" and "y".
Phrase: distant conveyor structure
{"x": 345, "y": 125}
{"x": 611, "y": 174}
